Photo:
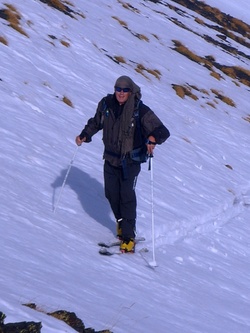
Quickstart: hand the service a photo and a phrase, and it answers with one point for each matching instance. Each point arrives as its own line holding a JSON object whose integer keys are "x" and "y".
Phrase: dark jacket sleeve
{"x": 152, "y": 125}
{"x": 94, "y": 124}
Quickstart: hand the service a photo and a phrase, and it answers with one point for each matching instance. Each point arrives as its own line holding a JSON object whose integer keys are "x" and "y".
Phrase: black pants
{"x": 121, "y": 195}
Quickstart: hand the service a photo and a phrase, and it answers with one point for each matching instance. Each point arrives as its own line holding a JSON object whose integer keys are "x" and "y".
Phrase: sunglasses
{"x": 119, "y": 89}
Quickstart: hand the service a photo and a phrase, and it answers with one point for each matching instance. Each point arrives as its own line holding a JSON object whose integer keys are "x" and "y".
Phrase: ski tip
{"x": 153, "y": 264}
{"x": 105, "y": 252}
{"x": 103, "y": 244}
{"x": 144, "y": 249}
{"x": 140, "y": 239}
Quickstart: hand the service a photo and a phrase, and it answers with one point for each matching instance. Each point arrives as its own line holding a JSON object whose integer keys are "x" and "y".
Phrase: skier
{"x": 130, "y": 132}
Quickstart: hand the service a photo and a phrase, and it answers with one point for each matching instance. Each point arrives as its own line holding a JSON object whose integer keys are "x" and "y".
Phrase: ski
{"x": 105, "y": 252}
{"x": 109, "y": 252}
{"x": 118, "y": 242}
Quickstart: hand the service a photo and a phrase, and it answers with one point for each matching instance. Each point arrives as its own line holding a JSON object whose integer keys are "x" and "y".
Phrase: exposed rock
{"x": 21, "y": 327}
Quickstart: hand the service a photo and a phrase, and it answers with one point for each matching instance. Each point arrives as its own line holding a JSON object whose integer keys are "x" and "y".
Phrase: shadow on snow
{"x": 90, "y": 194}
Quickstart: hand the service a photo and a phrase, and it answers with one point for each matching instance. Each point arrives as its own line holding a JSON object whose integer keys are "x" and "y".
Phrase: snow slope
{"x": 201, "y": 186}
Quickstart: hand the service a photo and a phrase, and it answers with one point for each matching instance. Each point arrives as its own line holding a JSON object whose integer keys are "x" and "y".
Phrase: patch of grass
{"x": 142, "y": 69}
{"x": 180, "y": 90}
{"x": 69, "y": 3}
{"x": 64, "y": 43}
{"x": 242, "y": 74}
{"x": 204, "y": 91}
{"x": 224, "y": 99}
{"x": 67, "y": 101}
{"x": 154, "y": 72}
{"x": 211, "y": 104}
{"x": 229, "y": 71}
{"x": 235, "y": 72}
{"x": 57, "y": 4}
{"x": 12, "y": 15}
{"x": 240, "y": 26}
{"x": 183, "y": 91}
{"x": 125, "y": 25}
{"x": 216, "y": 75}
{"x": 3, "y": 40}
{"x": 120, "y": 59}
{"x": 128, "y": 6}
{"x": 143, "y": 37}
{"x": 200, "y": 21}
{"x": 247, "y": 118}
{"x": 215, "y": 15}
{"x": 179, "y": 47}
{"x": 228, "y": 101}
{"x": 186, "y": 90}
{"x": 226, "y": 24}
{"x": 182, "y": 49}
{"x": 122, "y": 23}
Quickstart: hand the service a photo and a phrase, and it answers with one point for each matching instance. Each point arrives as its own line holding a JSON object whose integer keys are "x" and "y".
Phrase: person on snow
{"x": 130, "y": 132}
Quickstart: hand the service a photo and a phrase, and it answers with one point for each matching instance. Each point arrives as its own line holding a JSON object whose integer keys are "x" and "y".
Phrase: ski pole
{"x": 153, "y": 262}
{"x": 65, "y": 179}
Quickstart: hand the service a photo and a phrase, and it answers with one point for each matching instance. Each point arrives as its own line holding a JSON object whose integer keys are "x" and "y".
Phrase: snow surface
{"x": 201, "y": 185}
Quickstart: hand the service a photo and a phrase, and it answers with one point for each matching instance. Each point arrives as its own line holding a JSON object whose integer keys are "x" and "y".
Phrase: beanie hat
{"x": 124, "y": 82}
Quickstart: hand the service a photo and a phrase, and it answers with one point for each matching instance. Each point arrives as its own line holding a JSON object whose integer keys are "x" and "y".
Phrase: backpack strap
{"x": 104, "y": 110}
{"x": 139, "y": 154}
{"x": 137, "y": 118}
